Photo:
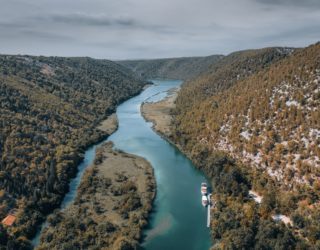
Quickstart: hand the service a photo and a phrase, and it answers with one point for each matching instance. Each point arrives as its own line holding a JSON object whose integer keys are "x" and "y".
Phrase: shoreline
{"x": 118, "y": 189}
{"x": 159, "y": 113}
{"x": 151, "y": 111}
{"x": 105, "y": 156}
{"x": 107, "y": 126}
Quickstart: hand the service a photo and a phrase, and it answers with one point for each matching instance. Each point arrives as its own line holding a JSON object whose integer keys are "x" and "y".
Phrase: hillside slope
{"x": 258, "y": 128}
{"x": 269, "y": 119}
{"x": 50, "y": 108}
{"x": 171, "y": 68}
{"x": 230, "y": 69}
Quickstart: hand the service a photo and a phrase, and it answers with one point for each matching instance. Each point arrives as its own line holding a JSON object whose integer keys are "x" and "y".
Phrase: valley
{"x": 155, "y": 125}
{"x": 171, "y": 68}
{"x": 247, "y": 123}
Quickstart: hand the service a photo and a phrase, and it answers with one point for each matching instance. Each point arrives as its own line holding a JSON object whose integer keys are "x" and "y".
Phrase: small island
{"x": 113, "y": 202}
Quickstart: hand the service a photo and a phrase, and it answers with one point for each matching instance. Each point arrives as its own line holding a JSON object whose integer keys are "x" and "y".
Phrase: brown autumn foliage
{"x": 252, "y": 122}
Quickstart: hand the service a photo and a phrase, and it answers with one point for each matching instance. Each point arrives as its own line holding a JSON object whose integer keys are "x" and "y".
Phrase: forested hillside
{"x": 227, "y": 71}
{"x": 252, "y": 122}
{"x": 50, "y": 108}
{"x": 171, "y": 68}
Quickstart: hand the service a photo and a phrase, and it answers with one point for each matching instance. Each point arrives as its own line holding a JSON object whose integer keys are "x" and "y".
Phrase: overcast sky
{"x": 119, "y": 29}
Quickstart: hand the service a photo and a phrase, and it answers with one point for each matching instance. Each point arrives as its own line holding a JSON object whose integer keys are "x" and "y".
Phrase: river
{"x": 178, "y": 220}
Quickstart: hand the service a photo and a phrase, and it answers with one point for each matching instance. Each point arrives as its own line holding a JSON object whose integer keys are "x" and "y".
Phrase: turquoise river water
{"x": 178, "y": 220}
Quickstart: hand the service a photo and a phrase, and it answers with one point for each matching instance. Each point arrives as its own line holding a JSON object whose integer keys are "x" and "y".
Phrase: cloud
{"x": 151, "y": 28}
{"x": 90, "y": 20}
{"x": 292, "y": 3}
{"x": 80, "y": 20}
{"x": 289, "y": 36}
{"x": 42, "y": 35}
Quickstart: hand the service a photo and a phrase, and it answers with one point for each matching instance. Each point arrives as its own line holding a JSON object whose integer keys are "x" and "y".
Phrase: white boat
{"x": 204, "y": 188}
{"x": 204, "y": 200}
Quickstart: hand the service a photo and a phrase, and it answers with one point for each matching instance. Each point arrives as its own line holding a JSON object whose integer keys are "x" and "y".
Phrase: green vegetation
{"x": 171, "y": 68}
{"x": 110, "y": 209}
{"x": 50, "y": 108}
{"x": 238, "y": 222}
{"x": 251, "y": 122}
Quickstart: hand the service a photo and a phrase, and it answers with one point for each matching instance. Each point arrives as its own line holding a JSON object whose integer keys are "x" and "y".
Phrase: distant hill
{"x": 252, "y": 121}
{"x": 50, "y": 108}
{"x": 230, "y": 69}
{"x": 171, "y": 68}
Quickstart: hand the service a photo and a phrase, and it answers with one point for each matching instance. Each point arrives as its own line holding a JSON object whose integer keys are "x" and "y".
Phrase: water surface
{"x": 178, "y": 220}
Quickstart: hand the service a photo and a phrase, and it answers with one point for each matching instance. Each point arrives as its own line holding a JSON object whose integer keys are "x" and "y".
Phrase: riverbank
{"x": 231, "y": 182}
{"x": 110, "y": 124}
{"x": 111, "y": 207}
{"x": 159, "y": 113}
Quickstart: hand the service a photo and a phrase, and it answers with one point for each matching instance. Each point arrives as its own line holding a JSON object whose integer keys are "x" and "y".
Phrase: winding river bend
{"x": 178, "y": 220}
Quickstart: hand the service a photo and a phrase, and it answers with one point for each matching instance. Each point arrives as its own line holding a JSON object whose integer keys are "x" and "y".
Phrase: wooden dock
{"x": 209, "y": 211}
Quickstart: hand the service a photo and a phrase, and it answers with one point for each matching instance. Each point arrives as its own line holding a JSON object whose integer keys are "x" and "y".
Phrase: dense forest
{"x": 251, "y": 122}
{"x": 171, "y": 68}
{"x": 230, "y": 69}
{"x": 50, "y": 108}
